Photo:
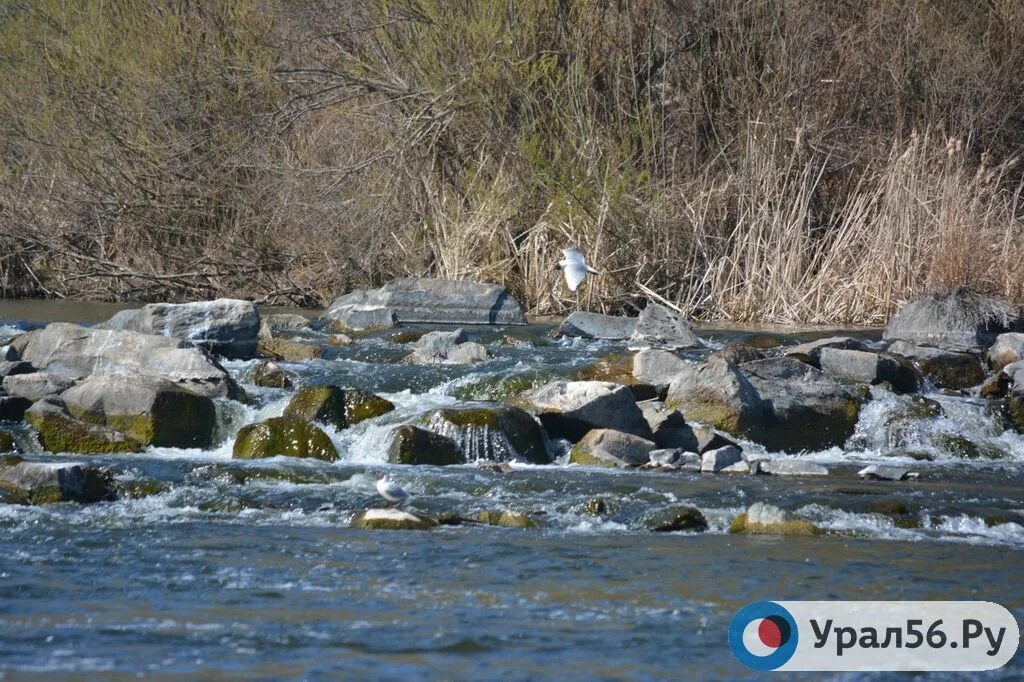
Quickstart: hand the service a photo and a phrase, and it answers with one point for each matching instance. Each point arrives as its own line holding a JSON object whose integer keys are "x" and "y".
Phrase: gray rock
{"x": 945, "y": 369}
{"x": 569, "y": 409}
{"x": 670, "y": 430}
{"x": 717, "y": 394}
{"x": 709, "y": 439}
{"x": 879, "y": 472}
{"x": 60, "y": 482}
{"x": 14, "y": 367}
{"x": 355, "y": 312}
{"x": 447, "y": 348}
{"x": 960, "y": 321}
{"x": 606, "y": 447}
{"x": 659, "y": 327}
{"x": 792, "y": 467}
{"x": 1008, "y": 349}
{"x": 805, "y": 409}
{"x": 8, "y": 354}
{"x": 741, "y": 467}
{"x": 270, "y": 375}
{"x": 392, "y": 519}
{"x": 73, "y": 351}
{"x": 596, "y": 326}
{"x": 658, "y": 367}
{"x": 736, "y": 353}
{"x": 672, "y": 457}
{"x": 810, "y": 352}
{"x": 868, "y": 368}
{"x": 435, "y": 301}
{"x": 228, "y": 327}
{"x": 36, "y": 386}
{"x": 765, "y": 519}
{"x": 678, "y": 519}
{"x": 714, "y": 461}
{"x": 287, "y": 322}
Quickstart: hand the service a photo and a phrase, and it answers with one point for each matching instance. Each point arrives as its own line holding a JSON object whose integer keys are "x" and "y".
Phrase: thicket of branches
{"x": 777, "y": 160}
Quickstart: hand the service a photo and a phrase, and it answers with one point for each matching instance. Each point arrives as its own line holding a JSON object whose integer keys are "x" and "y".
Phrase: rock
{"x": 713, "y": 461}
{"x": 596, "y": 506}
{"x": 8, "y": 353}
{"x": 568, "y": 409}
{"x": 73, "y": 351}
{"x": 878, "y": 472}
{"x": 287, "y": 322}
{"x": 285, "y": 436}
{"x": 499, "y": 434}
{"x": 765, "y": 519}
{"x": 37, "y": 386}
{"x": 596, "y": 326}
{"x": 148, "y": 410}
{"x": 12, "y": 494}
{"x": 7, "y": 443}
{"x": 741, "y": 467}
{"x": 413, "y": 445}
{"x": 792, "y": 467}
{"x": 617, "y": 369}
{"x": 228, "y": 327}
{"x": 432, "y": 301}
{"x": 1007, "y": 349}
{"x": 507, "y": 519}
{"x": 959, "y": 321}
{"x": 15, "y": 367}
{"x": 670, "y": 430}
{"x": 12, "y": 408}
{"x": 59, "y": 431}
{"x": 996, "y": 386}
{"x": 945, "y": 369}
{"x": 717, "y": 394}
{"x": 270, "y": 375}
{"x": 406, "y": 336}
{"x": 805, "y": 409}
{"x": 339, "y": 340}
{"x": 447, "y": 348}
{"x": 709, "y": 439}
{"x": 736, "y": 353}
{"x": 340, "y": 408}
{"x": 1015, "y": 411}
{"x": 868, "y": 368}
{"x": 392, "y": 519}
{"x": 810, "y": 352}
{"x": 287, "y": 350}
{"x": 60, "y": 482}
{"x": 605, "y": 447}
{"x": 678, "y": 519}
{"x": 658, "y": 367}
{"x": 659, "y": 327}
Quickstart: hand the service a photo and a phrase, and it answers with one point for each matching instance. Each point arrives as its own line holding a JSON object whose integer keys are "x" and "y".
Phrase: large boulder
{"x": 610, "y": 448}
{"x": 341, "y": 408}
{"x": 15, "y": 367}
{"x": 597, "y": 326}
{"x": 569, "y": 409}
{"x": 810, "y": 352}
{"x": 959, "y": 321}
{"x": 498, "y": 434}
{"x": 46, "y": 482}
{"x": 719, "y": 459}
{"x": 659, "y": 327}
{"x": 287, "y": 322}
{"x": 804, "y": 408}
{"x": 945, "y": 369}
{"x": 73, "y": 351}
{"x": 148, "y": 410}
{"x": 226, "y": 326}
{"x": 37, "y": 386}
{"x": 447, "y": 348}
{"x": 868, "y": 368}
{"x": 1007, "y": 349}
{"x": 617, "y": 369}
{"x": 434, "y": 301}
{"x": 658, "y": 367}
{"x": 719, "y": 395}
{"x": 288, "y": 350}
{"x": 413, "y": 445}
{"x": 668, "y": 428}
{"x": 59, "y": 431}
{"x": 283, "y": 436}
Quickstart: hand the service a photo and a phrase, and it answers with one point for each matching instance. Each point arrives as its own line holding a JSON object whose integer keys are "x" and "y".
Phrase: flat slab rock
{"x": 597, "y": 326}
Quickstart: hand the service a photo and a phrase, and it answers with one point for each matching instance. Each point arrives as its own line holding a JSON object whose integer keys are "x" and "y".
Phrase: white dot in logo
{"x": 754, "y": 637}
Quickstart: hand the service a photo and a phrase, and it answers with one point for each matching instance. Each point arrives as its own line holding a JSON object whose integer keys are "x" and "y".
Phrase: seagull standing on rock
{"x": 391, "y": 491}
{"x": 575, "y": 268}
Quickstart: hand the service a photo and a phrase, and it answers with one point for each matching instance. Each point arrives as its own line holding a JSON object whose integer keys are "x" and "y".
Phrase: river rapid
{"x": 223, "y": 569}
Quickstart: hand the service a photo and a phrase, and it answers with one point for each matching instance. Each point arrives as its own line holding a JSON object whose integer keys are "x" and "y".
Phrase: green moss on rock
{"x": 7, "y": 443}
{"x": 413, "y": 445}
{"x": 12, "y": 494}
{"x": 288, "y": 350}
{"x": 498, "y": 434}
{"x": 507, "y": 519}
{"x": 286, "y": 436}
{"x": 360, "y": 406}
{"x": 59, "y": 431}
{"x": 794, "y": 527}
{"x": 338, "y": 407}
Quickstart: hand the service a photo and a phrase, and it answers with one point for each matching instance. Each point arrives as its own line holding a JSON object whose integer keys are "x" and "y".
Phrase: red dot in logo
{"x": 769, "y": 633}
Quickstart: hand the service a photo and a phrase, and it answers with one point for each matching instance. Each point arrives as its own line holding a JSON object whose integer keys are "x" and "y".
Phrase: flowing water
{"x": 247, "y": 570}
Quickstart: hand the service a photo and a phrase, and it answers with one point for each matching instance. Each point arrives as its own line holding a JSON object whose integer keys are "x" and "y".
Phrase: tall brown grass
{"x": 784, "y": 160}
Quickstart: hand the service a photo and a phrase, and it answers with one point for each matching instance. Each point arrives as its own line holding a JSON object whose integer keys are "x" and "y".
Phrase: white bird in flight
{"x": 391, "y": 491}
{"x": 575, "y": 268}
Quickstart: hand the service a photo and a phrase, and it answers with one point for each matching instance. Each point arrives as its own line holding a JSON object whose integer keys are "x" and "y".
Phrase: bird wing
{"x": 574, "y": 273}
{"x": 573, "y": 255}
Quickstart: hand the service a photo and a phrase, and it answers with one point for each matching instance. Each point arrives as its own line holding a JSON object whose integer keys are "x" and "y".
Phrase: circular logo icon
{"x": 763, "y": 636}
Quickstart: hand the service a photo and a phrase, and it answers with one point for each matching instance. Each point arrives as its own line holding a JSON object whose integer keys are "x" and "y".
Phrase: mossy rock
{"x": 392, "y": 519}
{"x": 179, "y": 419}
{"x": 958, "y": 446}
{"x": 762, "y": 341}
{"x": 58, "y": 431}
{"x": 920, "y": 407}
{"x": 338, "y": 407}
{"x": 497, "y": 434}
{"x": 288, "y": 350}
{"x": 581, "y": 455}
{"x": 617, "y": 368}
{"x": 7, "y": 443}
{"x": 678, "y": 519}
{"x": 270, "y": 375}
{"x": 406, "y": 336}
{"x": 12, "y": 494}
{"x": 413, "y": 445}
{"x": 596, "y": 507}
{"x": 500, "y": 388}
{"x": 791, "y": 527}
{"x": 286, "y": 436}
{"x": 1015, "y": 411}
{"x": 141, "y": 488}
{"x": 507, "y": 519}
